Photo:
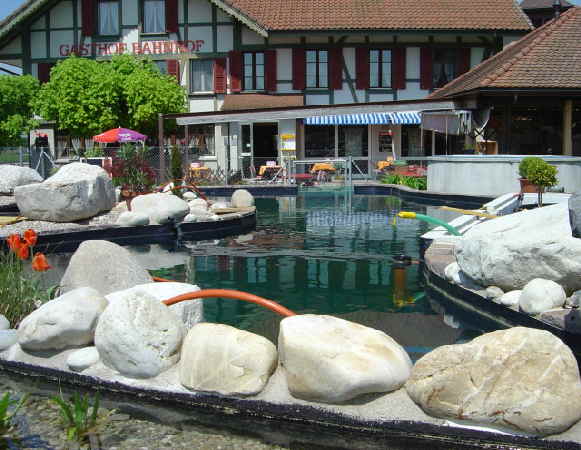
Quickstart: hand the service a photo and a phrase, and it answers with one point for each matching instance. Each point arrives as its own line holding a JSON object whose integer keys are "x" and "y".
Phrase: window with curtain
{"x": 380, "y": 68}
{"x": 154, "y": 16}
{"x": 353, "y": 140}
{"x": 108, "y": 17}
{"x": 444, "y": 68}
{"x": 253, "y": 71}
{"x": 201, "y": 75}
{"x": 317, "y": 69}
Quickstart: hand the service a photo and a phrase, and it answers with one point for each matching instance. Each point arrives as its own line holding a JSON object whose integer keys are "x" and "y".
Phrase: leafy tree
{"x": 87, "y": 97}
{"x": 16, "y": 94}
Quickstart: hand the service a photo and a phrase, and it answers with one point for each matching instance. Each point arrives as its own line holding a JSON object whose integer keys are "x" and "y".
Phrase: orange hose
{"x": 236, "y": 295}
{"x": 161, "y": 280}
{"x": 189, "y": 186}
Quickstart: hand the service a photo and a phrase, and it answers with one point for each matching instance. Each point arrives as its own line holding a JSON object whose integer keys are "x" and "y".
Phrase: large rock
{"x": 575, "y": 213}
{"x": 241, "y": 198}
{"x": 138, "y": 336}
{"x": 220, "y": 358}
{"x": 541, "y": 295}
{"x": 132, "y": 219}
{"x": 77, "y": 191}
{"x": 14, "y": 176}
{"x": 332, "y": 360}
{"x": 160, "y": 208}
{"x": 520, "y": 378}
{"x": 67, "y": 321}
{"x": 190, "y": 312}
{"x": 512, "y": 250}
{"x": 104, "y": 266}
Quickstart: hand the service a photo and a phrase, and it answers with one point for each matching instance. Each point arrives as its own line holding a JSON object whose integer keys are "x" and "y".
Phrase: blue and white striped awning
{"x": 396, "y": 118}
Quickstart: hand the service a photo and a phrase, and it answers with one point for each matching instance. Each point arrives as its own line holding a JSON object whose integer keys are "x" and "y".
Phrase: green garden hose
{"x": 429, "y": 219}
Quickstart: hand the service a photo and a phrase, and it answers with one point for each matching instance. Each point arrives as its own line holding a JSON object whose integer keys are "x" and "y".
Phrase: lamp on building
{"x": 557, "y": 8}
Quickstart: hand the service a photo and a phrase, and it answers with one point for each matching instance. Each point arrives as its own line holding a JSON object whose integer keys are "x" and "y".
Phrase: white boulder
{"x": 521, "y": 379}
{"x": 4, "y": 323}
{"x": 189, "y": 312}
{"x": 541, "y": 295}
{"x": 219, "y": 205}
{"x": 220, "y": 358}
{"x": 8, "y": 338}
{"x": 132, "y": 219}
{"x": 331, "y": 360}
{"x": 13, "y": 176}
{"x": 454, "y": 274}
{"x": 241, "y": 198}
{"x": 138, "y": 336}
{"x": 67, "y": 321}
{"x": 83, "y": 359}
{"x": 160, "y": 208}
{"x": 198, "y": 203}
{"x": 77, "y": 191}
{"x": 510, "y": 299}
{"x": 493, "y": 292}
{"x": 104, "y": 266}
{"x": 188, "y": 195}
{"x": 512, "y": 250}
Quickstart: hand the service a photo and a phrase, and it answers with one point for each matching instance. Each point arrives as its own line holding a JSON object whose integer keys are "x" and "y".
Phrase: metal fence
{"x": 19, "y": 156}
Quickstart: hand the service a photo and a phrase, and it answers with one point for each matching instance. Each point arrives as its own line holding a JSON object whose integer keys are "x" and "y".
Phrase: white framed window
{"x": 154, "y": 16}
{"x": 380, "y": 68}
{"x": 444, "y": 68}
{"x": 108, "y": 15}
{"x": 201, "y": 75}
{"x": 253, "y": 71}
{"x": 317, "y": 69}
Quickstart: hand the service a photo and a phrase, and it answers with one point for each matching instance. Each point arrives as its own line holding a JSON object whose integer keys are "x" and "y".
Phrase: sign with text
{"x": 137, "y": 48}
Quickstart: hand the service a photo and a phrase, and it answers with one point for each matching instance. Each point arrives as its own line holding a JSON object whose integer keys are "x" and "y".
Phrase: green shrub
{"x": 543, "y": 175}
{"x": 94, "y": 152}
{"x": 8, "y": 410}
{"x": 419, "y": 183}
{"x": 527, "y": 164}
{"x": 79, "y": 416}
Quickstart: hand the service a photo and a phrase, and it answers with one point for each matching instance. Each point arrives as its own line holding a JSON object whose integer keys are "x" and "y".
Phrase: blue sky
{"x": 7, "y": 6}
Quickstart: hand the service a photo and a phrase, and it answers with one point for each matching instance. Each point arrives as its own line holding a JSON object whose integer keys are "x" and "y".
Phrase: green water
{"x": 319, "y": 253}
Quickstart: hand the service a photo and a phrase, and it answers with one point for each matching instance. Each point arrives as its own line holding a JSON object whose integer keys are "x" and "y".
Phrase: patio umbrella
{"x": 119, "y": 135}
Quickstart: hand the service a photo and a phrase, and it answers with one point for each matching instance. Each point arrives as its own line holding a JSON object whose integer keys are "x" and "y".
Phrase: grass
{"x": 19, "y": 293}
{"x": 8, "y": 410}
{"x": 80, "y": 416}
{"x": 419, "y": 183}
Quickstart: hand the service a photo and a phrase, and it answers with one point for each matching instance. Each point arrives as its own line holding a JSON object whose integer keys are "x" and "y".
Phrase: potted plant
{"x": 132, "y": 173}
{"x": 543, "y": 175}
{"x": 526, "y": 164}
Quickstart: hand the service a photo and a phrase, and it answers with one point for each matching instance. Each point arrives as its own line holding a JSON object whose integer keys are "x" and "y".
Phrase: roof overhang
{"x": 250, "y": 23}
{"x": 24, "y": 11}
{"x": 301, "y": 112}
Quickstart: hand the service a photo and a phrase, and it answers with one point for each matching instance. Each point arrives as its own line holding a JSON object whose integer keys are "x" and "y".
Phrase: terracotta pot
{"x": 527, "y": 187}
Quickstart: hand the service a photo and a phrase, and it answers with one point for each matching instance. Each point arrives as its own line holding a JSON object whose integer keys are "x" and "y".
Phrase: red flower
{"x": 39, "y": 263}
{"x": 23, "y": 252}
{"x": 30, "y": 237}
{"x": 14, "y": 242}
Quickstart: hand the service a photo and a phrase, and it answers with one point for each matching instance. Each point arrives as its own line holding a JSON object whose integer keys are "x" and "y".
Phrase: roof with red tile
{"x": 237, "y": 102}
{"x": 289, "y": 15}
{"x": 549, "y": 57}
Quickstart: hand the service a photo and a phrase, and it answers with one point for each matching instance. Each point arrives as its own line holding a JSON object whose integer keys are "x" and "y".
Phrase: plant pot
{"x": 526, "y": 187}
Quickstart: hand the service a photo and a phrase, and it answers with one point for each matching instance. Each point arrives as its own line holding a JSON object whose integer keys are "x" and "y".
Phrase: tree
{"x": 86, "y": 97}
{"x": 16, "y": 95}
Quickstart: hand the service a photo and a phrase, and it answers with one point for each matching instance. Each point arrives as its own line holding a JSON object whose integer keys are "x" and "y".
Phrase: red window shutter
{"x": 361, "y": 68}
{"x": 299, "y": 68}
{"x": 235, "y": 71}
{"x": 44, "y": 72}
{"x": 398, "y": 68}
{"x": 220, "y": 76}
{"x": 171, "y": 16}
{"x": 88, "y": 12}
{"x": 463, "y": 61}
{"x": 270, "y": 70}
{"x": 426, "y": 68}
{"x": 336, "y": 68}
{"x": 173, "y": 68}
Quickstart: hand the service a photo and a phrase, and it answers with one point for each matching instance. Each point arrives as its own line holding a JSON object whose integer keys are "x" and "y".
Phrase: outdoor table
{"x": 264, "y": 169}
{"x": 324, "y": 167}
{"x": 383, "y": 164}
{"x": 200, "y": 172}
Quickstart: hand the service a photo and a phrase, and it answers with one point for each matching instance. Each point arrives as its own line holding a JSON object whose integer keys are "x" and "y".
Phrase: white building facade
{"x": 244, "y": 54}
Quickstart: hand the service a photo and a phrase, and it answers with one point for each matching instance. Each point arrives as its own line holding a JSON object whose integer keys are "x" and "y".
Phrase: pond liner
{"x": 299, "y": 417}
{"x": 268, "y": 190}
{"x": 488, "y": 314}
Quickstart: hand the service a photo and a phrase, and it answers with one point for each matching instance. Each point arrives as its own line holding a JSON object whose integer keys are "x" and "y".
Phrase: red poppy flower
{"x": 23, "y": 252}
{"x": 30, "y": 237}
{"x": 39, "y": 263}
{"x": 14, "y": 242}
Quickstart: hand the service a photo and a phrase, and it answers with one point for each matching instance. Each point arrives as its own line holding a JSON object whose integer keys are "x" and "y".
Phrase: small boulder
{"x": 241, "y": 198}
{"x": 83, "y": 359}
{"x": 8, "y": 338}
{"x": 190, "y": 312}
{"x": 132, "y": 219}
{"x": 219, "y": 205}
{"x": 200, "y": 214}
{"x": 541, "y": 295}
{"x": 198, "y": 203}
{"x": 4, "y": 323}
{"x": 332, "y": 360}
{"x": 104, "y": 266}
{"x": 520, "y": 379}
{"x": 138, "y": 336}
{"x": 188, "y": 195}
{"x": 220, "y": 358}
{"x": 575, "y": 213}
{"x": 493, "y": 292}
{"x": 510, "y": 299}
{"x": 574, "y": 301}
{"x": 77, "y": 191}
{"x": 67, "y": 321}
{"x": 160, "y": 208}
{"x": 13, "y": 176}
{"x": 455, "y": 275}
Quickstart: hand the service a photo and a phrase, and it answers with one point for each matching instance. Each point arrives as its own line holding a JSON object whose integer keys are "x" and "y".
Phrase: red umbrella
{"x": 119, "y": 135}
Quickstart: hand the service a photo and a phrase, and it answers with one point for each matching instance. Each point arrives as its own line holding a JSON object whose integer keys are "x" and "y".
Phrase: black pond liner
{"x": 291, "y": 424}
